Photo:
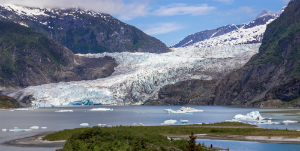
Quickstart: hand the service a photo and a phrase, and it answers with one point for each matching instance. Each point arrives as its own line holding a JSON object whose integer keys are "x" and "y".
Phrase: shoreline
{"x": 259, "y": 139}
{"x": 34, "y": 141}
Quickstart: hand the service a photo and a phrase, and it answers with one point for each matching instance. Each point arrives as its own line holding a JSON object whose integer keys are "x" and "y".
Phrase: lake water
{"x": 127, "y": 115}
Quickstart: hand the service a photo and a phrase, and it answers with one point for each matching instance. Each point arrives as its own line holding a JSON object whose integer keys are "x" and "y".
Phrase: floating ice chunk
{"x": 189, "y": 109}
{"x": 233, "y": 120}
{"x": 43, "y": 127}
{"x": 184, "y": 121}
{"x": 101, "y": 109}
{"x": 84, "y": 124}
{"x": 289, "y": 121}
{"x": 169, "y": 122}
{"x": 4, "y": 130}
{"x": 64, "y": 111}
{"x": 254, "y": 115}
{"x": 170, "y": 111}
{"x": 34, "y": 127}
{"x": 16, "y": 129}
{"x": 266, "y": 122}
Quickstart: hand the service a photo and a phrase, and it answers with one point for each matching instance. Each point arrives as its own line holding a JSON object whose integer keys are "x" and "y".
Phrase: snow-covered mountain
{"x": 139, "y": 76}
{"x": 248, "y": 33}
{"x": 83, "y": 31}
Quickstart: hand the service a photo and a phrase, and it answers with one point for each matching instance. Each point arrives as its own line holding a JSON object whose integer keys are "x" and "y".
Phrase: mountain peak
{"x": 264, "y": 13}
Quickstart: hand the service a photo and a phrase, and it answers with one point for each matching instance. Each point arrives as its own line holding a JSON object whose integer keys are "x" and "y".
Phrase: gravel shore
{"x": 35, "y": 141}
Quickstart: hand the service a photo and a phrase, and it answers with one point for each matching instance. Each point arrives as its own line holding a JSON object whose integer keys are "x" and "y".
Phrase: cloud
{"x": 183, "y": 9}
{"x": 126, "y": 10}
{"x": 162, "y": 28}
{"x": 225, "y": 1}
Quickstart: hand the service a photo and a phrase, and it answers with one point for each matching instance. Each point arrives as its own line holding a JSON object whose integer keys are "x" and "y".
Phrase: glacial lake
{"x": 148, "y": 115}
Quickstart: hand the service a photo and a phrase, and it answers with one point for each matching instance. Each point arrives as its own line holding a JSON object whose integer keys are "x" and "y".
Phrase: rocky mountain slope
{"x": 248, "y": 33}
{"x": 83, "y": 31}
{"x": 273, "y": 74}
{"x": 139, "y": 76}
{"x": 7, "y": 102}
{"x": 29, "y": 58}
{"x": 272, "y": 77}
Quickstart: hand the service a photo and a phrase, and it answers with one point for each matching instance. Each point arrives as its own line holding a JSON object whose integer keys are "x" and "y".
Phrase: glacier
{"x": 139, "y": 76}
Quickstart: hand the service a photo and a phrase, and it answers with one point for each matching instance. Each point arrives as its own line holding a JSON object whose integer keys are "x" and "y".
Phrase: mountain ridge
{"x": 208, "y": 38}
{"x": 83, "y": 31}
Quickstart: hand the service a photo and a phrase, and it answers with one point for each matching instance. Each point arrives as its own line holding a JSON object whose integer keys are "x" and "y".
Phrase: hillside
{"x": 7, "y": 102}
{"x": 83, "y": 31}
{"x": 29, "y": 58}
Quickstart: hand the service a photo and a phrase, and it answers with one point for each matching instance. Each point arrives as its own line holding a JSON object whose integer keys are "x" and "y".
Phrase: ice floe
{"x": 184, "y": 121}
{"x": 189, "y": 109}
{"x": 101, "y": 109}
{"x": 289, "y": 121}
{"x": 84, "y": 124}
{"x": 170, "y": 111}
{"x": 64, "y": 111}
{"x": 254, "y": 115}
{"x": 169, "y": 122}
{"x": 34, "y": 127}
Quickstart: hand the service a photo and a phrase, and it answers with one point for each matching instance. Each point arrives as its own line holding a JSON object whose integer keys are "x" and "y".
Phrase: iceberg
{"x": 254, "y": 115}
{"x": 170, "y": 111}
{"x": 233, "y": 120}
{"x": 101, "y": 109}
{"x": 189, "y": 109}
{"x": 64, "y": 111}
{"x": 34, "y": 127}
{"x": 266, "y": 122}
{"x": 16, "y": 129}
{"x": 169, "y": 122}
{"x": 84, "y": 124}
{"x": 184, "y": 121}
{"x": 4, "y": 130}
{"x": 289, "y": 121}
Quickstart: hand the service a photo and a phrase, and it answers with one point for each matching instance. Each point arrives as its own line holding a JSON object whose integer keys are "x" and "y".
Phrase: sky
{"x": 169, "y": 20}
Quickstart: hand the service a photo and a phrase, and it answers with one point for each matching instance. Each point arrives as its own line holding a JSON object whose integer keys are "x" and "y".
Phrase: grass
{"x": 152, "y": 137}
{"x": 182, "y": 130}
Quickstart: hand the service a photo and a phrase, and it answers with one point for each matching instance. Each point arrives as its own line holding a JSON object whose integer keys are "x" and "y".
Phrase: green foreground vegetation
{"x": 151, "y": 137}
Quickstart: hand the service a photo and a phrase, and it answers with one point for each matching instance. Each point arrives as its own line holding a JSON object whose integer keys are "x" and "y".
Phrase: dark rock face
{"x": 85, "y": 31}
{"x": 29, "y": 58}
{"x": 271, "y": 76}
{"x": 182, "y": 93}
{"x": 7, "y": 102}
